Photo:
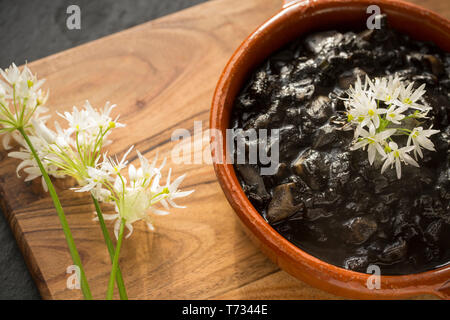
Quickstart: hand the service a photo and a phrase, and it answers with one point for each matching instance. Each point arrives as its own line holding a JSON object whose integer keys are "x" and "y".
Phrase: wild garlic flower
{"x": 409, "y": 96}
{"x": 171, "y": 192}
{"x": 396, "y": 155}
{"x": 363, "y": 110}
{"x": 378, "y": 110}
{"x": 374, "y": 141}
{"x": 420, "y": 138}
{"x": 69, "y": 151}
{"x": 21, "y": 100}
{"x": 358, "y": 92}
{"x": 29, "y": 164}
{"x": 136, "y": 197}
{"x": 90, "y": 127}
{"x": 395, "y": 113}
{"x": 385, "y": 89}
{"x": 76, "y": 151}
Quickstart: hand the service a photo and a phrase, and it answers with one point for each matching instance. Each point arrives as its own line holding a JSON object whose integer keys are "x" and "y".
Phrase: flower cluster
{"x": 379, "y": 111}
{"x": 134, "y": 198}
{"x": 76, "y": 151}
{"x": 21, "y": 100}
{"x": 67, "y": 152}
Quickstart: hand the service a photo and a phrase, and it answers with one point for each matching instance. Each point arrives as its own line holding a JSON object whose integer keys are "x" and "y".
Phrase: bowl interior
{"x": 296, "y": 20}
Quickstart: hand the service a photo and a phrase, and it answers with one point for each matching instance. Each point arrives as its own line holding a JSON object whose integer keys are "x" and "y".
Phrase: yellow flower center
{"x": 350, "y": 117}
{"x": 371, "y": 112}
{"x": 360, "y": 118}
{"x": 407, "y": 100}
{"x": 30, "y": 83}
{"x": 396, "y": 154}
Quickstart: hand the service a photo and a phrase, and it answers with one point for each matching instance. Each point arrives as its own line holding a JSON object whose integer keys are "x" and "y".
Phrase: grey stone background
{"x": 32, "y": 29}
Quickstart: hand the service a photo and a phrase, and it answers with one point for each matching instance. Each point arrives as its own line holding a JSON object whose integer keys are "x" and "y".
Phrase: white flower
{"x": 113, "y": 165}
{"x": 96, "y": 177}
{"x": 88, "y": 124}
{"x": 102, "y": 119}
{"x": 408, "y": 96}
{"x": 102, "y": 174}
{"x": 171, "y": 191}
{"x": 136, "y": 198}
{"x": 132, "y": 206}
{"x": 78, "y": 120}
{"x": 42, "y": 131}
{"x": 146, "y": 174}
{"x": 396, "y": 156}
{"x": 8, "y": 137}
{"x": 75, "y": 151}
{"x": 360, "y": 90}
{"x": 395, "y": 114}
{"x": 386, "y": 89}
{"x": 29, "y": 164}
{"x": 419, "y": 138}
{"x": 101, "y": 194}
{"x": 375, "y": 142}
{"x": 20, "y": 97}
{"x": 11, "y": 74}
{"x": 364, "y": 111}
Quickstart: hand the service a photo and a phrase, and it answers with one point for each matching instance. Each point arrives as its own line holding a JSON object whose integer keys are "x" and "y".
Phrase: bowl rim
{"x": 325, "y": 275}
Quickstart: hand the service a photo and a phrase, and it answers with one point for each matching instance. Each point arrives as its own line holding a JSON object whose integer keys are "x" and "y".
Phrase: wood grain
{"x": 161, "y": 75}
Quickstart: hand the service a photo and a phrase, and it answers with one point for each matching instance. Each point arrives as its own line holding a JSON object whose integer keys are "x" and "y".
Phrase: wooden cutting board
{"x": 161, "y": 74}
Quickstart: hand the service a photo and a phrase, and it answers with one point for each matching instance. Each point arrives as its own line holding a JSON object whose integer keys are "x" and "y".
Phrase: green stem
{"x": 115, "y": 264}
{"x": 403, "y": 129}
{"x": 62, "y": 218}
{"x": 109, "y": 244}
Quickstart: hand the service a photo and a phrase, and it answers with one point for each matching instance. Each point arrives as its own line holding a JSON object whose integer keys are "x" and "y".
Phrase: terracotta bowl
{"x": 295, "y": 19}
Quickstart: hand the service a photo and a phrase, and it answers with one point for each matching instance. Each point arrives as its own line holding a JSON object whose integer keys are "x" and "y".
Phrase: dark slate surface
{"x": 30, "y": 30}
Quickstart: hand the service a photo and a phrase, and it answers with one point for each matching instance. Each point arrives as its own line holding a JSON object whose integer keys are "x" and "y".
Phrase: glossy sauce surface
{"x": 325, "y": 198}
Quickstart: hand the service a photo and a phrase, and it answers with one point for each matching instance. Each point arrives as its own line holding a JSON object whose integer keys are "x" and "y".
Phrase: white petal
{"x": 168, "y": 177}
{"x": 380, "y": 150}
{"x": 174, "y": 186}
{"x": 19, "y": 155}
{"x": 44, "y": 184}
{"x": 6, "y": 140}
{"x": 426, "y": 143}
{"x": 116, "y": 229}
{"x": 164, "y": 204}
{"x": 182, "y": 194}
{"x": 173, "y": 204}
{"x": 376, "y": 122}
{"x": 159, "y": 212}
{"x": 386, "y": 133}
{"x": 110, "y": 216}
{"x": 410, "y": 160}
{"x": 372, "y": 152}
{"x": 398, "y": 168}
{"x": 130, "y": 229}
{"x": 359, "y": 144}
{"x": 132, "y": 172}
{"x": 386, "y": 164}
{"x": 162, "y": 164}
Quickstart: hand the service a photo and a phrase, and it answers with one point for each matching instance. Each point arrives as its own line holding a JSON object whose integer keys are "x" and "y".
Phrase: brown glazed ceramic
{"x": 295, "y": 19}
